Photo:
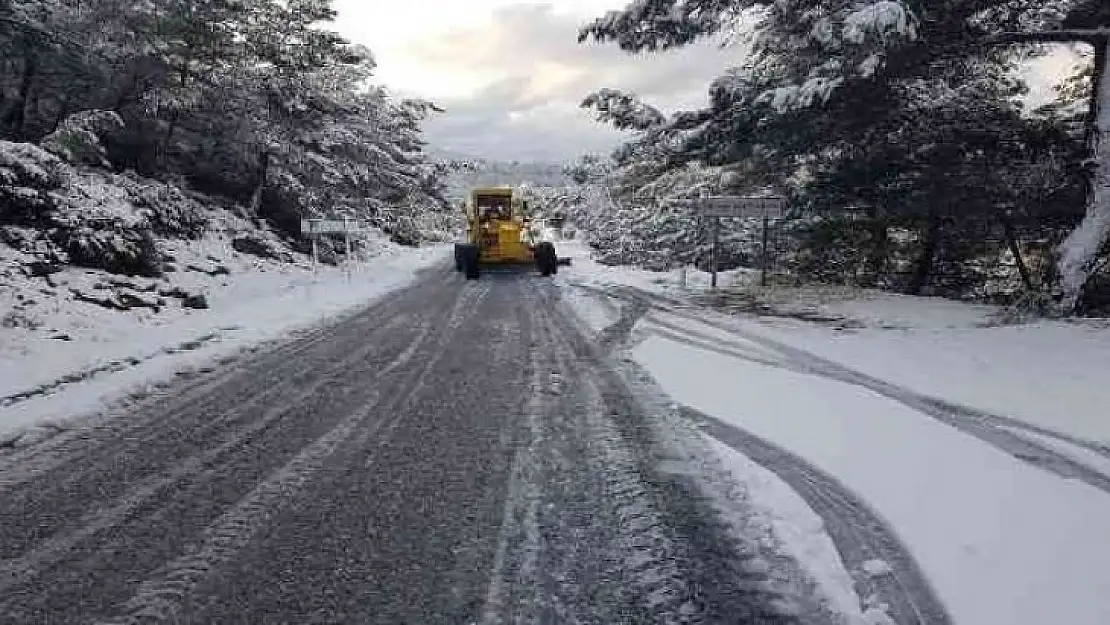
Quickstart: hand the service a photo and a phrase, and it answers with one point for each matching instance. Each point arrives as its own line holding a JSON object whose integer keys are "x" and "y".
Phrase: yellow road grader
{"x": 500, "y": 231}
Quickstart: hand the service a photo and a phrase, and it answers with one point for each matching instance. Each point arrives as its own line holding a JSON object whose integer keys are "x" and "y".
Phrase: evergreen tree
{"x": 254, "y": 99}
{"x": 886, "y": 108}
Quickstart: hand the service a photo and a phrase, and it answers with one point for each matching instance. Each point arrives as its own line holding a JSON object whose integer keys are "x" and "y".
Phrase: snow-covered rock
{"x": 87, "y": 217}
{"x": 256, "y": 245}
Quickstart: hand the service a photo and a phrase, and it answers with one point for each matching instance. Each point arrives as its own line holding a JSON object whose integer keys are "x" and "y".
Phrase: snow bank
{"x": 256, "y": 300}
{"x": 1048, "y": 373}
{"x": 1002, "y": 541}
{"x": 681, "y": 281}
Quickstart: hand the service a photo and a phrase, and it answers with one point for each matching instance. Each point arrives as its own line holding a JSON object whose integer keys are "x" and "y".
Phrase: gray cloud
{"x": 534, "y": 75}
{"x": 531, "y": 108}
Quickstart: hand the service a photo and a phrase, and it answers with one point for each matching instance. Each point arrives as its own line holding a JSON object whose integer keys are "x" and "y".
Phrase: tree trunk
{"x": 923, "y": 270}
{"x": 880, "y": 247}
{"x": 256, "y": 197}
{"x": 1077, "y": 253}
{"x": 17, "y": 116}
{"x": 1015, "y": 249}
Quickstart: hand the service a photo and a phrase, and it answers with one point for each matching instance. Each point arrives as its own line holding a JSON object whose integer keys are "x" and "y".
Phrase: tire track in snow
{"x": 162, "y": 596}
{"x": 141, "y": 466}
{"x": 55, "y": 549}
{"x": 640, "y": 545}
{"x": 514, "y": 561}
{"x": 578, "y": 544}
{"x": 860, "y": 534}
{"x": 158, "y": 599}
{"x": 980, "y": 424}
{"x": 617, "y": 521}
{"x": 226, "y": 385}
{"x": 403, "y": 528}
{"x": 143, "y": 493}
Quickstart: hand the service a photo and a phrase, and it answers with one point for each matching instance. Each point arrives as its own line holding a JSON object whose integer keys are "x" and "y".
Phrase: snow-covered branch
{"x": 1088, "y": 35}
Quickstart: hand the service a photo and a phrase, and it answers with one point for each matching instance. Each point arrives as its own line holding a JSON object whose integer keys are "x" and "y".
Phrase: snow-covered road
{"x": 602, "y": 448}
{"x": 459, "y": 452}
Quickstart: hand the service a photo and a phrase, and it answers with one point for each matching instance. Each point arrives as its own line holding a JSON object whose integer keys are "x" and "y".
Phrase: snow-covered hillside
{"x": 110, "y": 280}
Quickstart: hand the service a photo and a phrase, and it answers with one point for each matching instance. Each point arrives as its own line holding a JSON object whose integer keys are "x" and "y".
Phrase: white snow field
{"x": 1000, "y": 539}
{"x": 1047, "y": 373}
{"x": 108, "y": 354}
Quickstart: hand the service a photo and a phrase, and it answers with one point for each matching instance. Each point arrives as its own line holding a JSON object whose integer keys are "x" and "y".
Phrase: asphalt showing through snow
{"x": 459, "y": 453}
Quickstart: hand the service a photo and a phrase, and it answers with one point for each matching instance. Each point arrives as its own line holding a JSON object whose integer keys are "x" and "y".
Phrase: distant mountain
{"x": 468, "y": 172}
{"x": 446, "y": 154}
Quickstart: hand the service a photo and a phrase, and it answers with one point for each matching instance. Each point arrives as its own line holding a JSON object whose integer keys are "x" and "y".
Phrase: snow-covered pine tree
{"x": 252, "y": 99}
{"x": 829, "y": 83}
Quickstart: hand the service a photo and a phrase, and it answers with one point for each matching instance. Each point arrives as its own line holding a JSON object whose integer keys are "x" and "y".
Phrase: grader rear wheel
{"x": 545, "y": 259}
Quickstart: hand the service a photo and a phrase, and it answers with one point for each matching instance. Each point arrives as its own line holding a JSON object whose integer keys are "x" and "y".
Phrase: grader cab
{"x": 500, "y": 232}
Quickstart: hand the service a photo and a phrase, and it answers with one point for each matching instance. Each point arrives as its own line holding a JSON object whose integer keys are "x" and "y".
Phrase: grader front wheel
{"x": 470, "y": 262}
{"x": 459, "y": 264}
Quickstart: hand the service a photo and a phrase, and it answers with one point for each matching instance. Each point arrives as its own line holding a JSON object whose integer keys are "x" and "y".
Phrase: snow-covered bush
{"x": 79, "y": 138}
{"x": 27, "y": 174}
{"x": 94, "y": 218}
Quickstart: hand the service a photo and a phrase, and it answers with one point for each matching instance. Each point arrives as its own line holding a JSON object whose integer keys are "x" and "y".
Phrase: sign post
{"x": 345, "y": 226}
{"x": 738, "y": 207}
{"x": 763, "y": 261}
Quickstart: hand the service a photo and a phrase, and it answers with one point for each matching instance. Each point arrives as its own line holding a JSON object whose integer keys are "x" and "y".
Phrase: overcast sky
{"x": 511, "y": 74}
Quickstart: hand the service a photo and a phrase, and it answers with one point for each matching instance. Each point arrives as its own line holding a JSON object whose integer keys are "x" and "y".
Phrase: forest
{"x": 897, "y": 130}
{"x": 255, "y": 104}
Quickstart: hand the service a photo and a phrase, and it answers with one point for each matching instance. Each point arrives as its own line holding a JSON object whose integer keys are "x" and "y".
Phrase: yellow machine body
{"x": 497, "y": 221}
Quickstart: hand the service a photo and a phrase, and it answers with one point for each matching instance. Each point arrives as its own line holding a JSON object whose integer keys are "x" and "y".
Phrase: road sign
{"x": 333, "y": 226}
{"x": 765, "y": 207}
{"x": 346, "y": 227}
{"x": 773, "y": 207}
